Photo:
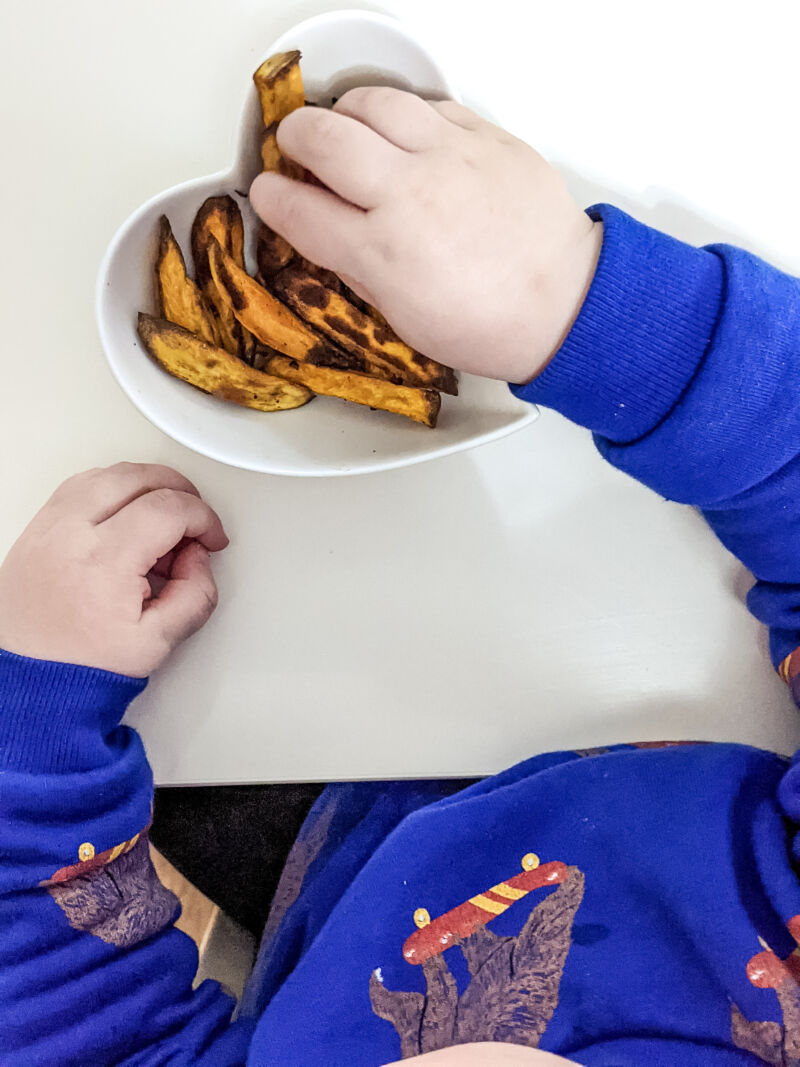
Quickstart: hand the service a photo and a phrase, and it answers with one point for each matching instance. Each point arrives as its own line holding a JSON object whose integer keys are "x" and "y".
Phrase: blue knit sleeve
{"x": 92, "y": 969}
{"x": 685, "y": 364}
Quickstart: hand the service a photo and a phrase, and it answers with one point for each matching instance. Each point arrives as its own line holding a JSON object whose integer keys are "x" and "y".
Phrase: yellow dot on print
{"x": 86, "y": 851}
{"x": 421, "y": 918}
{"x": 530, "y": 861}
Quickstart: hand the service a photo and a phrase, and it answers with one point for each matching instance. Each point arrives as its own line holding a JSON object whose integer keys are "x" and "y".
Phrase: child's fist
{"x": 76, "y": 587}
{"x": 463, "y": 236}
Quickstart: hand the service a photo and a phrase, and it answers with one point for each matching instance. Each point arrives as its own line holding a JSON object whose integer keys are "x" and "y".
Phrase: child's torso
{"x": 631, "y": 907}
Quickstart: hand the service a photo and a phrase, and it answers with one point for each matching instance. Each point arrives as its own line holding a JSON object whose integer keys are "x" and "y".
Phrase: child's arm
{"x": 684, "y": 362}
{"x": 92, "y": 970}
{"x": 686, "y": 365}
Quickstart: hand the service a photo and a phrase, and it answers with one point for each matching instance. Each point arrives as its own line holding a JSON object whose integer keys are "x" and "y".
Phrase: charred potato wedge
{"x": 422, "y": 405}
{"x": 273, "y": 253}
{"x": 216, "y": 371}
{"x": 351, "y": 329}
{"x": 335, "y": 284}
{"x": 261, "y": 313}
{"x": 178, "y": 298}
{"x": 219, "y": 219}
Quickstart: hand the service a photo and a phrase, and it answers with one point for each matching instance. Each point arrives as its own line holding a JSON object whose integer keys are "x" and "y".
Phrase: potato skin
{"x": 214, "y": 370}
{"x": 381, "y": 351}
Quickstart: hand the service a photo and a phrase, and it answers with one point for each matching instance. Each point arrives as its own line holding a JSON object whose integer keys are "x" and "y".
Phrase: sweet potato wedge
{"x": 280, "y": 86}
{"x": 219, "y": 219}
{"x": 216, "y": 371}
{"x": 271, "y": 158}
{"x": 263, "y": 314}
{"x": 334, "y": 282}
{"x": 336, "y": 318}
{"x": 280, "y": 91}
{"x": 178, "y": 298}
{"x": 273, "y": 253}
{"x": 422, "y": 405}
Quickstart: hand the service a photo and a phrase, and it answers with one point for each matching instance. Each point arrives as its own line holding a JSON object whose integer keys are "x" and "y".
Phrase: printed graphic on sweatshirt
{"x": 514, "y": 981}
{"x": 777, "y": 1043}
{"x": 115, "y": 895}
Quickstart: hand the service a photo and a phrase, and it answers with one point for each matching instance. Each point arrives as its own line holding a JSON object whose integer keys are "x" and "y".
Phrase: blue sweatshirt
{"x": 636, "y": 904}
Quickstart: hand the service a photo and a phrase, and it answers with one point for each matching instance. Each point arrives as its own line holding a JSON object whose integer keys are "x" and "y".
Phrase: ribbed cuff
{"x": 57, "y": 717}
{"x": 640, "y": 336}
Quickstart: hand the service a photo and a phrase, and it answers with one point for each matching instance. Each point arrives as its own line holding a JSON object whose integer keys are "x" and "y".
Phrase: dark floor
{"x": 232, "y": 841}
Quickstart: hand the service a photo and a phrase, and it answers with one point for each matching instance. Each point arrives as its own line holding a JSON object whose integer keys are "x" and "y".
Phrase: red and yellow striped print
{"x": 436, "y": 935}
{"x": 93, "y": 860}
{"x": 790, "y": 667}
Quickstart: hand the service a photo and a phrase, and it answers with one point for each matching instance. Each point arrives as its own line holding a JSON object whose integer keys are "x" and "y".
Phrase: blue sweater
{"x": 637, "y": 904}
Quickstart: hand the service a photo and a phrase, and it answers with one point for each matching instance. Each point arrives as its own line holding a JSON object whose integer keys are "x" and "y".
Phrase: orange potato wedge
{"x": 280, "y": 91}
{"x": 422, "y": 405}
{"x": 263, "y": 314}
{"x": 219, "y": 219}
{"x": 359, "y": 334}
{"x": 279, "y": 84}
{"x": 273, "y": 253}
{"x": 216, "y": 371}
{"x": 178, "y": 298}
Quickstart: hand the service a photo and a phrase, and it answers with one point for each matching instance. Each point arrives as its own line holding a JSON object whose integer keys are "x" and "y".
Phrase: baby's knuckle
{"x": 323, "y": 131}
{"x": 163, "y": 499}
{"x": 371, "y": 96}
{"x": 75, "y": 481}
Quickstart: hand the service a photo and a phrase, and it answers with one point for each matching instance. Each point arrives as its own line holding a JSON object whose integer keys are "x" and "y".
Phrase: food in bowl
{"x": 273, "y": 341}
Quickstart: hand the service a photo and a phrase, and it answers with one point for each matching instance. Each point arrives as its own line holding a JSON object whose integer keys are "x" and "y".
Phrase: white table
{"x": 452, "y": 618}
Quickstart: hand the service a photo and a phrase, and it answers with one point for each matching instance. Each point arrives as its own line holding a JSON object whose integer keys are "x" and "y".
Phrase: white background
{"x": 450, "y": 618}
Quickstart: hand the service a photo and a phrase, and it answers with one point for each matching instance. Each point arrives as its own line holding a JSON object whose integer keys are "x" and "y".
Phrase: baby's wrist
{"x": 563, "y": 292}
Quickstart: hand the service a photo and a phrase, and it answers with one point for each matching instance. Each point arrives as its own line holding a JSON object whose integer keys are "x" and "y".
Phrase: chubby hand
{"x": 80, "y": 584}
{"x": 462, "y": 235}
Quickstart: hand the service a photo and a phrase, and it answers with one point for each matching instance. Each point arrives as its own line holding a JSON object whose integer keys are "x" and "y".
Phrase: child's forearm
{"x": 685, "y": 363}
{"x": 92, "y": 969}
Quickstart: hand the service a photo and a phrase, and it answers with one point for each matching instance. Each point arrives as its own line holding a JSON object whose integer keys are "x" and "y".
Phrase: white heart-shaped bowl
{"x": 328, "y": 436}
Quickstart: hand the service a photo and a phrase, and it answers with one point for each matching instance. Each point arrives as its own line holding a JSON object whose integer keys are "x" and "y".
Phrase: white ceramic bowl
{"x": 327, "y": 436}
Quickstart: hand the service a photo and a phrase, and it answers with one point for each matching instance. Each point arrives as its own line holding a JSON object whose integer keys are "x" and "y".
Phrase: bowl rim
{"x": 209, "y": 449}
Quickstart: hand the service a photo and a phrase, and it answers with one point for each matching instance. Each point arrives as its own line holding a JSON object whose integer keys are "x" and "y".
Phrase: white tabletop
{"x": 450, "y": 618}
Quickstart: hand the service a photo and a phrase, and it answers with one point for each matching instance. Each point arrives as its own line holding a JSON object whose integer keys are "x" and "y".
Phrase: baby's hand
{"x": 76, "y": 587}
{"x": 463, "y": 236}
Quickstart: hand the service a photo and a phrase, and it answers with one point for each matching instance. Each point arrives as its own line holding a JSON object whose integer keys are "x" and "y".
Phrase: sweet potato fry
{"x": 262, "y": 313}
{"x": 280, "y": 86}
{"x": 334, "y": 316}
{"x": 335, "y": 284}
{"x": 177, "y": 296}
{"x": 214, "y": 370}
{"x": 273, "y": 253}
{"x": 219, "y": 218}
{"x": 280, "y": 91}
{"x": 271, "y": 158}
{"x": 422, "y": 405}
